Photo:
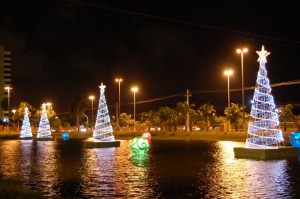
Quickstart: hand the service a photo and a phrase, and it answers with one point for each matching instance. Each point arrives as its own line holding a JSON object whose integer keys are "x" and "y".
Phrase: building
{"x": 5, "y": 81}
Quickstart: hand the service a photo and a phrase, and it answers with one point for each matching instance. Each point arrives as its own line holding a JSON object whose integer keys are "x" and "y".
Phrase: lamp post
{"x": 8, "y": 102}
{"x": 228, "y": 73}
{"x": 92, "y": 98}
{"x": 134, "y": 90}
{"x": 242, "y": 51}
{"x": 119, "y": 80}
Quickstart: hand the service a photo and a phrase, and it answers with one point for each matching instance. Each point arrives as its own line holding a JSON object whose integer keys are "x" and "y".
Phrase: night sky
{"x": 64, "y": 48}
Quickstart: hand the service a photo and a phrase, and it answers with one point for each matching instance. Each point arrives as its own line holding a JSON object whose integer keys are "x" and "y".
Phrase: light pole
{"x": 228, "y": 73}
{"x": 134, "y": 90}
{"x": 92, "y": 98}
{"x": 8, "y": 102}
{"x": 119, "y": 80}
{"x": 242, "y": 51}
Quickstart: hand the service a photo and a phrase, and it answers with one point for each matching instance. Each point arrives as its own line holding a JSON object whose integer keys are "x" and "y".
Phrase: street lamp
{"x": 134, "y": 90}
{"x": 92, "y": 98}
{"x": 228, "y": 73}
{"x": 8, "y": 102}
{"x": 119, "y": 80}
{"x": 242, "y": 51}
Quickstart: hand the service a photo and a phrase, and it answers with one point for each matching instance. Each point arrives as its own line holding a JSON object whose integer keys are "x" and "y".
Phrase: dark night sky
{"x": 64, "y": 48}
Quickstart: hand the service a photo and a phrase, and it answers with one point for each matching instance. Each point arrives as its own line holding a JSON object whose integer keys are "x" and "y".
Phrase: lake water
{"x": 172, "y": 169}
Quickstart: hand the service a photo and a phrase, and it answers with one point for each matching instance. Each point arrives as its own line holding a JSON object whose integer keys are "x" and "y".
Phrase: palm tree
{"x": 167, "y": 116}
{"x": 286, "y": 115}
{"x": 206, "y": 111}
{"x": 184, "y": 110}
{"x": 77, "y": 108}
{"x": 234, "y": 113}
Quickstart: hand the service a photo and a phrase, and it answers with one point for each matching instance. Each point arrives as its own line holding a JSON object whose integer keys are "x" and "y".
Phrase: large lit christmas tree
{"x": 263, "y": 129}
{"x": 44, "y": 130}
{"x": 26, "y": 128}
{"x": 103, "y": 129}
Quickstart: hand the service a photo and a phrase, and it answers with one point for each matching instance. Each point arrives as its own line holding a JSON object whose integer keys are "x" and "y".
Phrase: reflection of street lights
{"x": 134, "y": 90}
{"x": 92, "y": 98}
{"x": 8, "y": 102}
{"x": 119, "y": 80}
{"x": 228, "y": 73}
{"x": 242, "y": 51}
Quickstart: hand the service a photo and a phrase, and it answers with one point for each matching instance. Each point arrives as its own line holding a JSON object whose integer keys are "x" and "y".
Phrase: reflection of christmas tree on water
{"x": 44, "y": 127}
{"x": 263, "y": 130}
{"x": 26, "y": 129}
{"x": 103, "y": 129}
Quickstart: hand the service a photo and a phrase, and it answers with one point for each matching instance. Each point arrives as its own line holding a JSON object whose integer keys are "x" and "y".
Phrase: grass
{"x": 238, "y": 136}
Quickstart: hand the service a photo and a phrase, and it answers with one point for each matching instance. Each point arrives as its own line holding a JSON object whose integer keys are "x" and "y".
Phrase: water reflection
{"x": 241, "y": 178}
{"x": 173, "y": 169}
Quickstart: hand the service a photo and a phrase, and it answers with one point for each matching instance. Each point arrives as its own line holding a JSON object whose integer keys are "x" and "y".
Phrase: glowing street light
{"x": 92, "y": 98}
{"x": 228, "y": 73}
{"x": 242, "y": 51}
{"x": 119, "y": 80}
{"x": 8, "y": 102}
{"x": 134, "y": 90}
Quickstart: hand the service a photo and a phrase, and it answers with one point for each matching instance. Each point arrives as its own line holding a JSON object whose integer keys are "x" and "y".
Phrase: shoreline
{"x": 236, "y": 136}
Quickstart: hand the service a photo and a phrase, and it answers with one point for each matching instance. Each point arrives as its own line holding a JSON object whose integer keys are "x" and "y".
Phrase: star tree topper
{"x": 102, "y": 87}
{"x": 262, "y": 55}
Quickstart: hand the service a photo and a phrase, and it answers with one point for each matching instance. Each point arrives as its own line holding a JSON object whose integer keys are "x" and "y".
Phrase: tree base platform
{"x": 44, "y": 139}
{"x": 291, "y": 153}
{"x": 95, "y": 143}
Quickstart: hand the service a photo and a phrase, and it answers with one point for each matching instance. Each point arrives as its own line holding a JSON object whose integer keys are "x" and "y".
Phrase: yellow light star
{"x": 262, "y": 55}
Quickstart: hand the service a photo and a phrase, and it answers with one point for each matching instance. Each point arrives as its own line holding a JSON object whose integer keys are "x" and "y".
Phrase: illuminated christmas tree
{"x": 103, "y": 129}
{"x": 44, "y": 126}
{"x": 26, "y": 129}
{"x": 263, "y": 129}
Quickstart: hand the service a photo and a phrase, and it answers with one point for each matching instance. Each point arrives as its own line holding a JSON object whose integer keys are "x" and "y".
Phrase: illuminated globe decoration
{"x": 263, "y": 128}
{"x": 139, "y": 146}
{"x": 103, "y": 129}
{"x": 65, "y": 136}
{"x": 147, "y": 136}
{"x": 295, "y": 139}
{"x": 44, "y": 127}
{"x": 26, "y": 128}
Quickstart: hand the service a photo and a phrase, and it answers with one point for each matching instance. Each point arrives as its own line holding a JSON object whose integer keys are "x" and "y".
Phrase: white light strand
{"x": 103, "y": 129}
{"x": 263, "y": 128}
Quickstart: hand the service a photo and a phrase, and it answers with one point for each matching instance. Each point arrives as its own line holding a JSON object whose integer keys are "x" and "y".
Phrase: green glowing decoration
{"x": 139, "y": 146}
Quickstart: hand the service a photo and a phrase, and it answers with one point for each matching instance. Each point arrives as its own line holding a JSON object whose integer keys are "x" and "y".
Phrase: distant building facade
{"x": 5, "y": 81}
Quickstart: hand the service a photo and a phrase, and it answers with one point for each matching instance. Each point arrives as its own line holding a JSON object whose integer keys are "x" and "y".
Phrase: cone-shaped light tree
{"x": 263, "y": 129}
{"x": 103, "y": 129}
{"x": 26, "y": 128}
{"x": 44, "y": 130}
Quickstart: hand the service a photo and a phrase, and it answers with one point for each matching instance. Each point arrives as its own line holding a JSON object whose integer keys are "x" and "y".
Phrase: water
{"x": 173, "y": 169}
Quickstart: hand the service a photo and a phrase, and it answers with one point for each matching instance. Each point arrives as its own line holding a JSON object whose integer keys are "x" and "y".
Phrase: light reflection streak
{"x": 242, "y": 178}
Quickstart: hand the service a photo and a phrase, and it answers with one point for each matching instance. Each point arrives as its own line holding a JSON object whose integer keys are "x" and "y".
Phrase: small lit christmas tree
{"x": 44, "y": 127}
{"x": 103, "y": 129}
{"x": 26, "y": 129}
{"x": 263, "y": 129}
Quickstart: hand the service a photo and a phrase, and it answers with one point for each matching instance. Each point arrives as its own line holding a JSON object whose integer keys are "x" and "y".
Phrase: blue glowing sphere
{"x": 139, "y": 146}
{"x": 295, "y": 139}
{"x": 65, "y": 136}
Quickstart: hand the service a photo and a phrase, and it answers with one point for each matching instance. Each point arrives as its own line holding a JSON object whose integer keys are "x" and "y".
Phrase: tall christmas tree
{"x": 44, "y": 127}
{"x": 103, "y": 129}
{"x": 263, "y": 129}
{"x": 26, "y": 129}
